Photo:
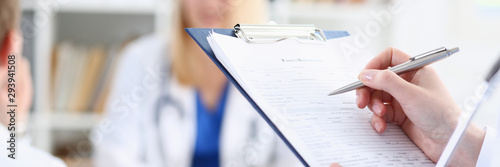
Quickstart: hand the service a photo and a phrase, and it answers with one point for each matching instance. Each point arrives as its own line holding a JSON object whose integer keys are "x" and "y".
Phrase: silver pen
{"x": 413, "y": 64}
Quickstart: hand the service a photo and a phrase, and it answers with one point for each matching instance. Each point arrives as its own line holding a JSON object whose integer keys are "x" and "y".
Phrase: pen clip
{"x": 441, "y": 49}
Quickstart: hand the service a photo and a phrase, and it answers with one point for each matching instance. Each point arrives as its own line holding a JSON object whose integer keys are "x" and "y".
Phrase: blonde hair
{"x": 243, "y": 11}
{"x": 9, "y": 16}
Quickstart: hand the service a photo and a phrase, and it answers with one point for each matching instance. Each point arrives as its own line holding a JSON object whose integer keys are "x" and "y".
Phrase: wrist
{"x": 441, "y": 134}
{"x": 468, "y": 149}
{"x": 450, "y": 122}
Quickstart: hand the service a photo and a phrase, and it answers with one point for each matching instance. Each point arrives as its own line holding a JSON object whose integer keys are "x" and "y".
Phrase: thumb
{"x": 389, "y": 82}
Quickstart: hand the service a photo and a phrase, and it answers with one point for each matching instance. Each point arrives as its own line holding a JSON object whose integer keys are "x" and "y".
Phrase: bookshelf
{"x": 45, "y": 24}
{"x": 110, "y": 7}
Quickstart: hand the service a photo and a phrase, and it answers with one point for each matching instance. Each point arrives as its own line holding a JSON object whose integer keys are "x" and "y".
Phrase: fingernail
{"x": 366, "y": 75}
{"x": 357, "y": 99}
{"x": 377, "y": 127}
{"x": 377, "y": 110}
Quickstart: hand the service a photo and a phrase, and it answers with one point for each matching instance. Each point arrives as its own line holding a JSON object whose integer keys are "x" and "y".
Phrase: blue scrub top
{"x": 208, "y": 127}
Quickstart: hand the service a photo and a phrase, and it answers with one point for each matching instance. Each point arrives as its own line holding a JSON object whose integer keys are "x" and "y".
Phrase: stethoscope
{"x": 165, "y": 101}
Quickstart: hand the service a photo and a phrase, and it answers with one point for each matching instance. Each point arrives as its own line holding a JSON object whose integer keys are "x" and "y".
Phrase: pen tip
{"x": 333, "y": 93}
{"x": 453, "y": 50}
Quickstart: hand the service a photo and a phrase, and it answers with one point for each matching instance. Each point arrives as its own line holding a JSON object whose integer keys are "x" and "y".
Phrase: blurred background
{"x": 73, "y": 46}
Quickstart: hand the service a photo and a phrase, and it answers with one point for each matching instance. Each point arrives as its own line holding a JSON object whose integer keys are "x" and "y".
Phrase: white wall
{"x": 427, "y": 24}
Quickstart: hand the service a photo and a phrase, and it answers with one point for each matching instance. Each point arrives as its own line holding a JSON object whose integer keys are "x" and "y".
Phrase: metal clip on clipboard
{"x": 260, "y": 33}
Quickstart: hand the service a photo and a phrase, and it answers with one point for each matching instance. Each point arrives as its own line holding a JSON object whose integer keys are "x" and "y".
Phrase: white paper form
{"x": 290, "y": 81}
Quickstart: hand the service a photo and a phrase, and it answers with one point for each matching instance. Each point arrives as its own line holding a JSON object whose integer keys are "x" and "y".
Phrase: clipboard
{"x": 263, "y": 34}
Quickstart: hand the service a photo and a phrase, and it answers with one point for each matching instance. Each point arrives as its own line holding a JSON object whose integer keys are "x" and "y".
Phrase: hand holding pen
{"x": 418, "y": 102}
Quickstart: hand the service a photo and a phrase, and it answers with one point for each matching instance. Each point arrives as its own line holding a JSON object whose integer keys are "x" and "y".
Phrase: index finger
{"x": 388, "y": 58}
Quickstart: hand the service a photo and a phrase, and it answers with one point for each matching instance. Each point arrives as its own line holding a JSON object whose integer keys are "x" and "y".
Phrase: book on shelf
{"x": 81, "y": 76}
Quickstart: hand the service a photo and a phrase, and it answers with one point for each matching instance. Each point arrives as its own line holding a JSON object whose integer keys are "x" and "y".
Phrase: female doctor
{"x": 171, "y": 106}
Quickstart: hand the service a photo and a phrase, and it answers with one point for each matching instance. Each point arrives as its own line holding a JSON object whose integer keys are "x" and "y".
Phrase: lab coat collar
{"x": 179, "y": 130}
{"x": 27, "y": 155}
{"x": 236, "y": 128}
{"x": 178, "y": 124}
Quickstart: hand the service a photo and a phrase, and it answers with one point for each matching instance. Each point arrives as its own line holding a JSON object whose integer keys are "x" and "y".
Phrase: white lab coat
{"x": 130, "y": 136}
{"x": 25, "y": 154}
{"x": 490, "y": 150}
